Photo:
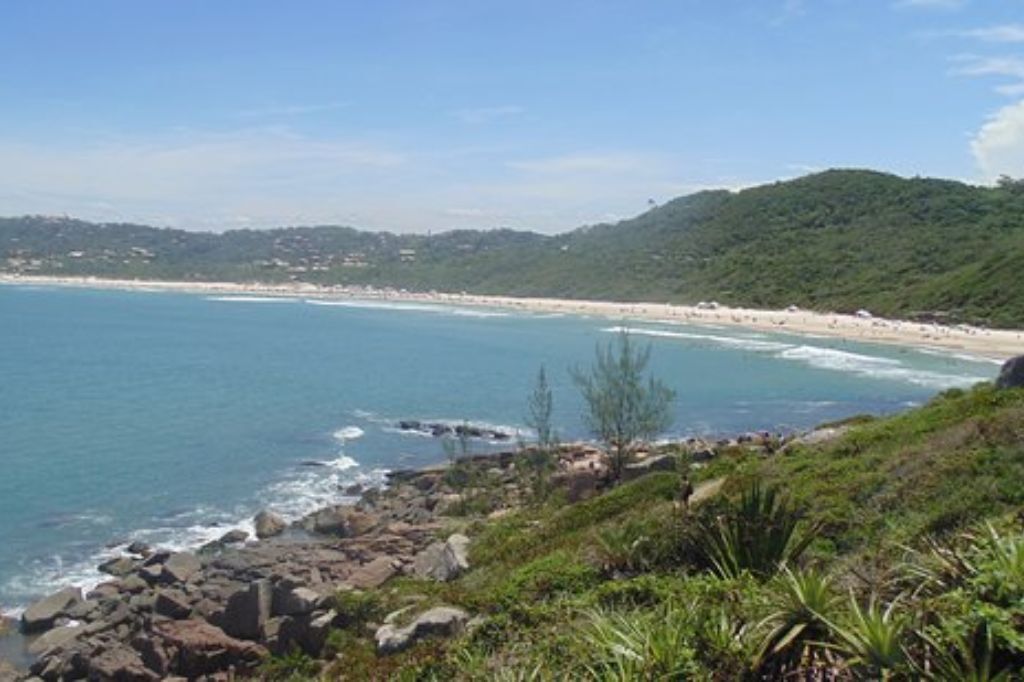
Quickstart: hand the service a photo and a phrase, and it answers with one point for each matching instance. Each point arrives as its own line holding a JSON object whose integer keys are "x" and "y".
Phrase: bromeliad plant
{"x": 871, "y": 638}
{"x": 797, "y": 627}
{"x": 757, "y": 535}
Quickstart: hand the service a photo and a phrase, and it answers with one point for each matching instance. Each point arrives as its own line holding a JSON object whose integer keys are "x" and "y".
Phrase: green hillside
{"x": 838, "y": 240}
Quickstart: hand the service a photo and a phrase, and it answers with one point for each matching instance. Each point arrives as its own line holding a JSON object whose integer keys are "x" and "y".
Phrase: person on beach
{"x": 685, "y": 491}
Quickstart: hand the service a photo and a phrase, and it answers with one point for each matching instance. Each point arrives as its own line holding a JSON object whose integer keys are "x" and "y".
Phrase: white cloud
{"x": 998, "y": 147}
{"x": 487, "y": 114}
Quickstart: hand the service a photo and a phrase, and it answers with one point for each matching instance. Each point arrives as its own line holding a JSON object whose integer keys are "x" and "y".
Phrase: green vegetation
{"x": 623, "y": 405}
{"x": 913, "y": 568}
{"x": 839, "y": 240}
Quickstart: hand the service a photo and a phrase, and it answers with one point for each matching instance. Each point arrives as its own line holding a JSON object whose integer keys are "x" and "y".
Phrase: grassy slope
{"x": 539, "y": 574}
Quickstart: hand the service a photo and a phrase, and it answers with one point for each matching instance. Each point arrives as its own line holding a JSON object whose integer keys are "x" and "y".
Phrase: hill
{"x": 839, "y": 240}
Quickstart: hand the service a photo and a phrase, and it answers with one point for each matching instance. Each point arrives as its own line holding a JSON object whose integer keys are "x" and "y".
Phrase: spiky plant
{"x": 650, "y": 645}
{"x": 729, "y": 642}
{"x": 625, "y": 548}
{"x": 757, "y": 535}
{"x": 797, "y": 626}
{"x": 953, "y": 657}
{"x": 871, "y": 637}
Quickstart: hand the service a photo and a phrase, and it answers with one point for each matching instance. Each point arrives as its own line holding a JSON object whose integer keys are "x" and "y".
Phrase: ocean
{"x": 172, "y": 418}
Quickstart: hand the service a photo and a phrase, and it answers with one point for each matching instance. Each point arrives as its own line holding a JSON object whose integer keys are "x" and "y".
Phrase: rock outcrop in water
{"x": 1012, "y": 373}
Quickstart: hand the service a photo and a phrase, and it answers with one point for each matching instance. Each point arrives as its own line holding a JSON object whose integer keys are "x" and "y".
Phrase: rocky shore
{"x": 219, "y": 612}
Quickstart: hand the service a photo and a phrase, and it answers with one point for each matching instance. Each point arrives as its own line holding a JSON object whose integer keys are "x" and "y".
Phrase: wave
{"x": 348, "y": 433}
{"x": 875, "y": 367}
{"x": 742, "y": 343}
{"x": 821, "y": 357}
{"x": 414, "y": 307}
{"x": 251, "y": 299}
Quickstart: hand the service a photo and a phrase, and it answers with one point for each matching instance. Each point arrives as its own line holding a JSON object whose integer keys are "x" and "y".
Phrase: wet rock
{"x": 51, "y": 639}
{"x": 118, "y": 566}
{"x": 268, "y": 524}
{"x": 42, "y": 615}
{"x": 441, "y": 621}
{"x": 233, "y": 537}
{"x": 1012, "y": 373}
{"x": 139, "y": 548}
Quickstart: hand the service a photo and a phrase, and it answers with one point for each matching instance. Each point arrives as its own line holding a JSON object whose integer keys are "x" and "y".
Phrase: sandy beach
{"x": 993, "y": 344}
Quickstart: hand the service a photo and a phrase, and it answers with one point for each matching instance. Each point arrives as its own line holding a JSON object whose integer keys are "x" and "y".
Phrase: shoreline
{"x": 988, "y": 344}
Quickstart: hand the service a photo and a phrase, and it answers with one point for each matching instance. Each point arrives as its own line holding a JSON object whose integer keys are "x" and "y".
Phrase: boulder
{"x": 42, "y": 615}
{"x": 268, "y": 524}
{"x": 51, "y": 639}
{"x": 248, "y": 610}
{"x": 441, "y": 621}
{"x": 118, "y": 566}
{"x": 173, "y": 604}
{"x": 648, "y": 465}
{"x": 296, "y": 601}
{"x": 1012, "y": 373}
{"x": 373, "y": 574}
{"x": 233, "y": 537}
{"x": 119, "y": 662}
{"x": 200, "y": 648}
{"x": 180, "y": 567}
{"x": 443, "y": 561}
{"x": 140, "y": 548}
{"x": 8, "y": 673}
{"x": 343, "y": 521}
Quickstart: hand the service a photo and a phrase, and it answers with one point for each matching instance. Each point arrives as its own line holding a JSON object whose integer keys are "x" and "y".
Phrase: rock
{"x": 140, "y": 548}
{"x": 373, "y": 574}
{"x": 133, "y": 584}
{"x": 1012, "y": 373}
{"x": 41, "y": 615}
{"x": 200, "y": 648}
{"x": 173, "y": 604}
{"x": 179, "y": 567}
{"x": 443, "y": 561}
{"x": 151, "y": 574}
{"x": 647, "y": 465}
{"x": 342, "y": 520}
{"x": 296, "y": 601}
{"x": 120, "y": 663}
{"x": 233, "y": 537}
{"x": 118, "y": 566}
{"x": 51, "y": 639}
{"x": 268, "y": 524}
{"x": 84, "y": 610}
{"x": 441, "y": 621}
{"x": 8, "y": 673}
{"x": 248, "y": 610}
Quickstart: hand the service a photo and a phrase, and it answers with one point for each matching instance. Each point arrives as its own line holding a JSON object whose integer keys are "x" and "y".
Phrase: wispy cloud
{"x": 588, "y": 163}
{"x": 1002, "y": 33}
{"x": 280, "y": 111}
{"x": 480, "y": 115}
{"x": 1003, "y": 66}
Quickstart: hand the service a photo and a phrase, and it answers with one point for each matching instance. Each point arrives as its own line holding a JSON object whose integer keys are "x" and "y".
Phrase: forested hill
{"x": 838, "y": 240}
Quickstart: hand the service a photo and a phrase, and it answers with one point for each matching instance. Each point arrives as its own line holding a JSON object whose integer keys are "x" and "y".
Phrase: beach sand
{"x": 993, "y": 344}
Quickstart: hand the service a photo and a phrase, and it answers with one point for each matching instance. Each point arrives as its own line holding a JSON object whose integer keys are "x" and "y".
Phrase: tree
{"x": 624, "y": 405}
{"x": 540, "y": 404}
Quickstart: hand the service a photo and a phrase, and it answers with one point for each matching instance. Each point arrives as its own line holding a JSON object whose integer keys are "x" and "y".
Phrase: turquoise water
{"x": 173, "y": 417}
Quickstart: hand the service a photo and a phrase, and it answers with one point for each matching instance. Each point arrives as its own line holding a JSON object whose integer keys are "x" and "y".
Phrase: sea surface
{"x": 172, "y": 418}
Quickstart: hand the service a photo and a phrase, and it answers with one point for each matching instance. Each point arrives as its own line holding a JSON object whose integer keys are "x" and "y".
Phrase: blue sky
{"x": 420, "y": 115}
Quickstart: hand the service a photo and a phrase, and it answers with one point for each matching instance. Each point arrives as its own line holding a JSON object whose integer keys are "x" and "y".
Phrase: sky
{"x": 429, "y": 115}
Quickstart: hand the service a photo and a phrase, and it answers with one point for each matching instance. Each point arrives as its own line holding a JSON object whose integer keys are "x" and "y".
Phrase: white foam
{"x": 251, "y": 299}
{"x": 343, "y": 463}
{"x": 875, "y": 367}
{"x": 731, "y": 341}
{"x": 348, "y": 433}
{"x": 406, "y": 306}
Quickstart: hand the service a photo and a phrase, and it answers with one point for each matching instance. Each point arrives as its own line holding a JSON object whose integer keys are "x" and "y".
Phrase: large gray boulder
{"x": 180, "y": 567}
{"x": 248, "y": 610}
{"x": 42, "y": 615}
{"x": 443, "y": 561}
{"x": 268, "y": 524}
{"x": 441, "y": 621}
{"x": 51, "y": 639}
{"x": 1012, "y": 373}
{"x": 342, "y": 520}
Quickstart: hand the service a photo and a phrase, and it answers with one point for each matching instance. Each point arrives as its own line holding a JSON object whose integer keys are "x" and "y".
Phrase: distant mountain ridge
{"x": 838, "y": 240}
